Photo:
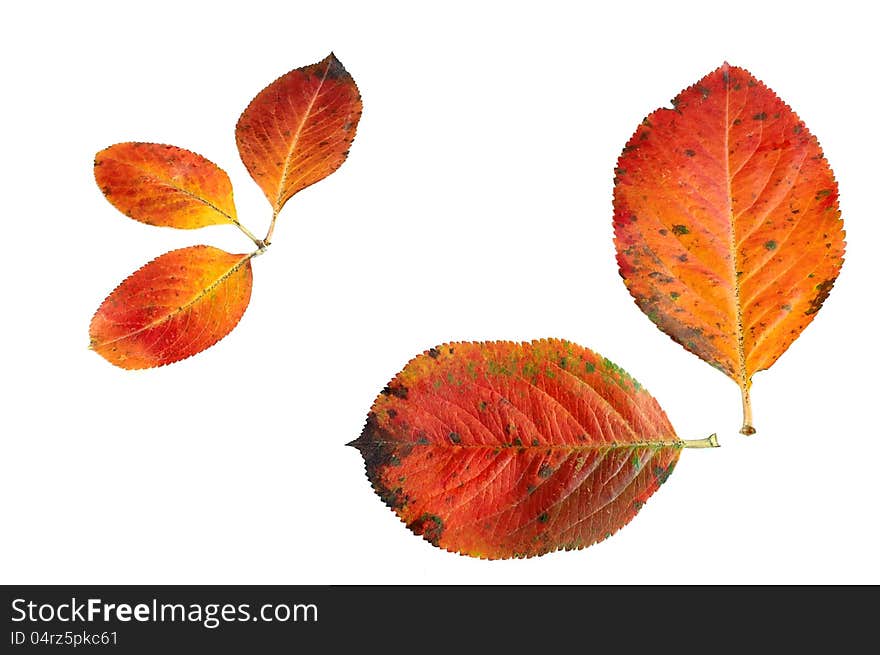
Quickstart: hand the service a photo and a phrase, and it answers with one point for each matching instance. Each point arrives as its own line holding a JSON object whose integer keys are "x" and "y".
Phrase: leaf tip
{"x": 335, "y": 69}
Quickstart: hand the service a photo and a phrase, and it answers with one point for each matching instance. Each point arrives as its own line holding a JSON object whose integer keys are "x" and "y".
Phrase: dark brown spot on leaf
{"x": 822, "y": 290}
{"x": 398, "y": 391}
{"x": 430, "y": 526}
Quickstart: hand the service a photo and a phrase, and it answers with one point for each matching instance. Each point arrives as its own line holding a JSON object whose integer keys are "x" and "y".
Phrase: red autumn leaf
{"x": 505, "y": 449}
{"x": 298, "y": 129}
{"x": 165, "y": 185}
{"x": 726, "y": 223}
{"x": 176, "y": 306}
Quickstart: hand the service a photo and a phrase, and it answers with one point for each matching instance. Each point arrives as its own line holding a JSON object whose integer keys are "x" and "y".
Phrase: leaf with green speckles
{"x": 727, "y": 225}
{"x": 525, "y": 456}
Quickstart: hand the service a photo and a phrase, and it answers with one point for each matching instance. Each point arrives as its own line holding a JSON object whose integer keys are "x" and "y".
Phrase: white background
{"x": 475, "y": 204}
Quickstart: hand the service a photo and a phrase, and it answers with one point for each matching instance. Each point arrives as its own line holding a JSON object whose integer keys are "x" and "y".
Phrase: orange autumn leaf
{"x": 298, "y": 129}
{"x": 177, "y": 305}
{"x": 165, "y": 185}
{"x": 503, "y": 449}
{"x": 726, "y": 224}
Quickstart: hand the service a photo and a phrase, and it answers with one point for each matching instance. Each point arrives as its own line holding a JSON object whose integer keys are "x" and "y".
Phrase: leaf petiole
{"x": 259, "y": 251}
{"x": 268, "y": 238}
{"x": 250, "y": 235}
{"x": 747, "y": 428}
{"x": 709, "y": 442}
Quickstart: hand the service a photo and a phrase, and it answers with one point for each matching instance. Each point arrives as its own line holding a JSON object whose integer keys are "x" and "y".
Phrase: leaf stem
{"x": 709, "y": 442}
{"x": 268, "y": 238}
{"x": 747, "y": 427}
{"x": 250, "y": 235}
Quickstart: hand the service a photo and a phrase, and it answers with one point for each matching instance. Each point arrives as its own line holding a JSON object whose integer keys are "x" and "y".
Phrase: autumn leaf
{"x": 726, "y": 224}
{"x": 176, "y": 306}
{"x": 165, "y": 185}
{"x": 503, "y": 449}
{"x": 298, "y": 129}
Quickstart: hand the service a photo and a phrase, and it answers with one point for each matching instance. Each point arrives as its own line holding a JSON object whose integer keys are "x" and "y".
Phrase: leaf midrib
{"x": 734, "y": 259}
{"x": 543, "y": 448}
{"x": 165, "y": 182}
{"x": 285, "y": 171}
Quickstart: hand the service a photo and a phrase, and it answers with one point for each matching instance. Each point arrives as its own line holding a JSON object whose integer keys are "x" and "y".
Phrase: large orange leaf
{"x": 165, "y": 185}
{"x": 176, "y": 306}
{"x": 726, "y": 224}
{"x": 298, "y": 129}
{"x": 506, "y": 449}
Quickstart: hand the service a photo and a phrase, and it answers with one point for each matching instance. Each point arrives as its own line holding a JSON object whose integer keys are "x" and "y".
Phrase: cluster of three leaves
{"x": 294, "y": 133}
